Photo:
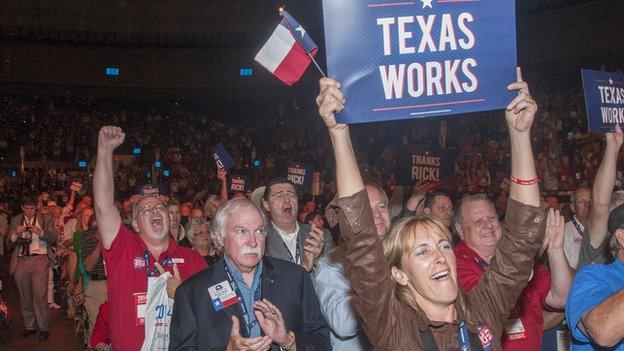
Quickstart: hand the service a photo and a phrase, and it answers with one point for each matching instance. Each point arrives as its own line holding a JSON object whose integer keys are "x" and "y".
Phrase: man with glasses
{"x": 595, "y": 242}
{"x": 573, "y": 230}
{"x": 247, "y": 301}
{"x": 131, "y": 259}
{"x": 287, "y": 238}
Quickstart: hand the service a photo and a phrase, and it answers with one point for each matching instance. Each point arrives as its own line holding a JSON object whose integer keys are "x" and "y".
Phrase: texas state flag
{"x": 285, "y": 54}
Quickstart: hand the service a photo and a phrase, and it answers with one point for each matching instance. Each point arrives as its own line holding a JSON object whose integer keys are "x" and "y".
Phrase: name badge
{"x": 140, "y": 302}
{"x": 178, "y": 260}
{"x": 222, "y": 295}
{"x": 515, "y": 329}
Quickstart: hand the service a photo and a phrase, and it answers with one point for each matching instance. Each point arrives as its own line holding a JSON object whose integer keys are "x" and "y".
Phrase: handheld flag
{"x": 288, "y": 52}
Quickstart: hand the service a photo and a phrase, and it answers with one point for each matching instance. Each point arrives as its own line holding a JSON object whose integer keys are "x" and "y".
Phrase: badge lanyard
{"x": 577, "y": 226}
{"x": 249, "y": 324}
{"x": 462, "y": 336}
{"x": 481, "y": 263}
{"x": 467, "y": 341}
{"x": 297, "y": 250}
{"x": 152, "y": 272}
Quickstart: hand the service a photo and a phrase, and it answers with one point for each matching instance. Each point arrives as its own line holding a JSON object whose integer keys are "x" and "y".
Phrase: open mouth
{"x": 441, "y": 275}
{"x": 156, "y": 221}
{"x": 488, "y": 234}
{"x": 287, "y": 210}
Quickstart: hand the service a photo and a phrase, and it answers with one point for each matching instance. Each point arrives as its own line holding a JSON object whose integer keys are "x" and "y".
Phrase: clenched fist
{"x": 110, "y": 137}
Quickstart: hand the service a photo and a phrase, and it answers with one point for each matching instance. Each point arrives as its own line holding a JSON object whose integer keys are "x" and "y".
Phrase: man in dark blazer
{"x": 287, "y": 238}
{"x": 246, "y": 300}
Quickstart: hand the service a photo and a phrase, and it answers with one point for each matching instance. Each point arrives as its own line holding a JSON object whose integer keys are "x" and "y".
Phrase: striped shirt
{"x": 87, "y": 246}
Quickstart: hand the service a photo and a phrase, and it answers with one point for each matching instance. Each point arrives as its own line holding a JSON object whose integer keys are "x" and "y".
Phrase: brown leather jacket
{"x": 392, "y": 324}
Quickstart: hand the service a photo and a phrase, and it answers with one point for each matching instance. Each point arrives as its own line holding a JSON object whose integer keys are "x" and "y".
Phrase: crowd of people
{"x": 62, "y": 130}
{"x": 488, "y": 260}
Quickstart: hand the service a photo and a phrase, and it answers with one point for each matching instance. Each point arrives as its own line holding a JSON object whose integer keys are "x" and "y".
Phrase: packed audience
{"x": 489, "y": 256}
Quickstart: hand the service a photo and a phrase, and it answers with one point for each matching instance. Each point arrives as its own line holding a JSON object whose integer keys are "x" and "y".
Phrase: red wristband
{"x": 524, "y": 181}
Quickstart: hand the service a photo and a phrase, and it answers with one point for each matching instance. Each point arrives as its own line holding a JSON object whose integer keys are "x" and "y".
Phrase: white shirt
{"x": 290, "y": 239}
{"x": 572, "y": 242}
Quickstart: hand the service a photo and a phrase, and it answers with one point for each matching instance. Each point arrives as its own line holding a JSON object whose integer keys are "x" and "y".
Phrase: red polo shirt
{"x": 526, "y": 319}
{"x": 126, "y": 271}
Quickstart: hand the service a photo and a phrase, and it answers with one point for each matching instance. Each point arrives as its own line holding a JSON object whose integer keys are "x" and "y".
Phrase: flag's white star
{"x": 427, "y": 3}
{"x": 300, "y": 29}
{"x": 610, "y": 81}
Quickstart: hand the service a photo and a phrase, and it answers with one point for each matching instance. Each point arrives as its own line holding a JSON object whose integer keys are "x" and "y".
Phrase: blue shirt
{"x": 592, "y": 285}
{"x": 247, "y": 293}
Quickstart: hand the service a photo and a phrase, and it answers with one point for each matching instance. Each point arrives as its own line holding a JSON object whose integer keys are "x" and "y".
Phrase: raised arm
{"x": 520, "y": 114}
{"x": 366, "y": 267}
{"x": 603, "y": 187}
{"x": 525, "y": 222}
{"x": 330, "y": 101}
{"x": 223, "y": 190}
{"x": 560, "y": 271}
{"x": 106, "y": 213}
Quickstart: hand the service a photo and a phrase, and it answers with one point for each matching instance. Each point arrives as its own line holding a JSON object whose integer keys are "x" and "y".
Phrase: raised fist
{"x": 110, "y": 137}
{"x": 330, "y": 101}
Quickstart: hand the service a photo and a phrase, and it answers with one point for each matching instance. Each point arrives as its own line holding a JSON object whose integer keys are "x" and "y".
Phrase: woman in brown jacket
{"x": 406, "y": 290}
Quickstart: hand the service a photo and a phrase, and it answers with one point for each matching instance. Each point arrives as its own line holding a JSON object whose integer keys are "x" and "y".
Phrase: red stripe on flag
{"x": 294, "y": 64}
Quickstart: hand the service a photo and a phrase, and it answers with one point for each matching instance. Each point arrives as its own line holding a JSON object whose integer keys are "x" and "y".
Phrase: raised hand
{"x": 312, "y": 247}
{"x": 271, "y": 321}
{"x": 173, "y": 282}
{"x": 110, "y": 137}
{"x": 615, "y": 138}
{"x": 520, "y": 112}
{"x": 315, "y": 242}
{"x": 330, "y": 100}
{"x": 238, "y": 343}
{"x": 419, "y": 191}
{"x": 555, "y": 230}
{"x": 221, "y": 174}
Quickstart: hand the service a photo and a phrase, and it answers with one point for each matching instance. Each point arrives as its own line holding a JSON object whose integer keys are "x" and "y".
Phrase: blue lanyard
{"x": 462, "y": 335}
{"x": 151, "y": 272}
{"x": 463, "y": 339}
{"x": 481, "y": 263}
{"x": 297, "y": 250}
{"x": 249, "y": 324}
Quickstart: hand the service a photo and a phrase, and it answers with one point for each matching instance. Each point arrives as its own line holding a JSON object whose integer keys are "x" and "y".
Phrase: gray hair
{"x": 381, "y": 191}
{"x": 616, "y": 199}
{"x": 458, "y": 214}
{"x": 195, "y": 223}
{"x": 209, "y": 200}
{"x": 217, "y": 228}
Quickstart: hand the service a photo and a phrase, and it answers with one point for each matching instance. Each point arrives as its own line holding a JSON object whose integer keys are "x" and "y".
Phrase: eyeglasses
{"x": 150, "y": 209}
{"x": 285, "y": 193}
{"x": 242, "y": 232}
{"x": 585, "y": 200}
